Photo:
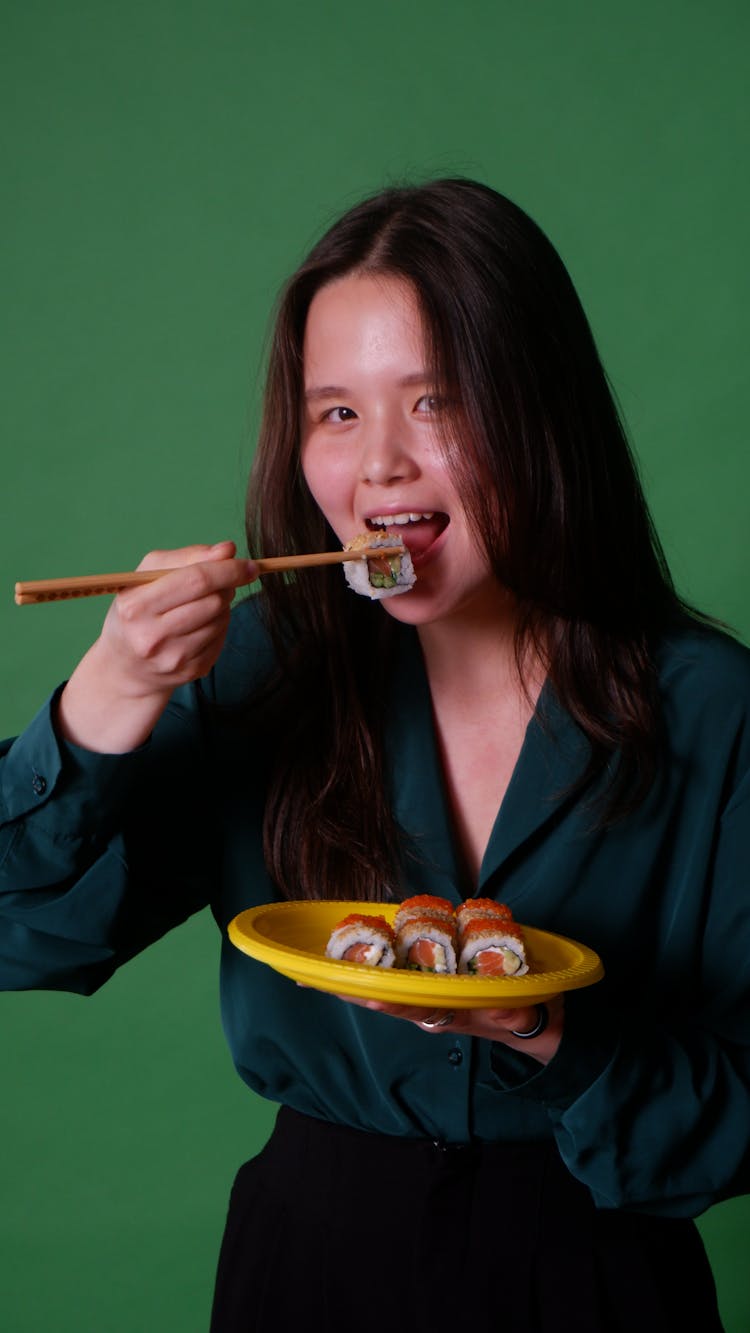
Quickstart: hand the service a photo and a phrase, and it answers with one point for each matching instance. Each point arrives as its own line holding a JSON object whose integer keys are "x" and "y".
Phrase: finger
{"x": 379, "y": 1006}
{"x": 202, "y": 614}
{"x": 511, "y": 1017}
{"x": 187, "y": 555}
{"x": 411, "y": 1013}
{"x": 363, "y": 1004}
{"x": 188, "y": 658}
{"x": 183, "y": 584}
{"x": 517, "y": 1021}
{"x": 523, "y": 1018}
{"x": 189, "y": 649}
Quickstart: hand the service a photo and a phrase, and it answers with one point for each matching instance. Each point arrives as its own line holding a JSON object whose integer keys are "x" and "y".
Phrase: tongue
{"x": 418, "y": 537}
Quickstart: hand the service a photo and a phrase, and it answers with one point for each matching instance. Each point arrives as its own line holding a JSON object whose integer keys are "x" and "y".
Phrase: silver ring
{"x": 433, "y": 1022}
{"x": 542, "y": 1020}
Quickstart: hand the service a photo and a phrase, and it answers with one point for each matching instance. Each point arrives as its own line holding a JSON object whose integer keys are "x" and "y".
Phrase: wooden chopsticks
{"x": 92, "y": 585}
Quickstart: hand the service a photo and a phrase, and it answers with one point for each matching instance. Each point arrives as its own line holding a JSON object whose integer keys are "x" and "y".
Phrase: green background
{"x": 164, "y": 166}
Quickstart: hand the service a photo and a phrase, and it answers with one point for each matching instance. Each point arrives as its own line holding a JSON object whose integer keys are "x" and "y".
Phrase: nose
{"x": 385, "y": 455}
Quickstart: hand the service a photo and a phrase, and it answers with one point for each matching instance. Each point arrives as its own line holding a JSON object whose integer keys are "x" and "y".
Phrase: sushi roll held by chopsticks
{"x": 379, "y": 576}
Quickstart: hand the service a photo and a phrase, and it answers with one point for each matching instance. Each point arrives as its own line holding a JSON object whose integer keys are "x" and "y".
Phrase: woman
{"x": 539, "y": 720}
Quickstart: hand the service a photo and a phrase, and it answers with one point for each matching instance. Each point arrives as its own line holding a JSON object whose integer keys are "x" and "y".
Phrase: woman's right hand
{"x": 154, "y": 638}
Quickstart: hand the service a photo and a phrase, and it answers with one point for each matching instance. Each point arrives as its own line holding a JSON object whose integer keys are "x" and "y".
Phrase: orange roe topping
{"x": 429, "y": 902}
{"x": 364, "y": 919}
{"x": 486, "y": 906}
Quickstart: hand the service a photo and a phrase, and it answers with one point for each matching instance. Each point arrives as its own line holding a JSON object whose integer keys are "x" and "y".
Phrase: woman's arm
{"x": 650, "y": 1100}
{"x": 105, "y": 799}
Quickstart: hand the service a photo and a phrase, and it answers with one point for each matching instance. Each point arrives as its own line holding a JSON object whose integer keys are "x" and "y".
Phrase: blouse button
{"x": 39, "y": 784}
{"x": 455, "y": 1057}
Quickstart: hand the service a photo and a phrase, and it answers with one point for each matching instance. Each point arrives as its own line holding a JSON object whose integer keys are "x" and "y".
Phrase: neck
{"x": 474, "y": 652}
{"x": 481, "y": 705}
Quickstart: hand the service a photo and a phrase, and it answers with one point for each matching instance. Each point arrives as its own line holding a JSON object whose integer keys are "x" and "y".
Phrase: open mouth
{"x": 418, "y": 531}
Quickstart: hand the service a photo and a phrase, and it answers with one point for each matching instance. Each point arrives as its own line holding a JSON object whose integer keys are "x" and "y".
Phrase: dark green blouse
{"x": 649, "y": 1094}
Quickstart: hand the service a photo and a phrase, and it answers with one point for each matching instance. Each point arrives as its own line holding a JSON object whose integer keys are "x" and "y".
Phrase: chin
{"x": 484, "y": 602}
{"x": 412, "y": 609}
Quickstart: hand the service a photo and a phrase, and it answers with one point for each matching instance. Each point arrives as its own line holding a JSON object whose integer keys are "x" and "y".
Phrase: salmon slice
{"x": 424, "y": 954}
{"x": 496, "y": 962}
{"x": 359, "y": 953}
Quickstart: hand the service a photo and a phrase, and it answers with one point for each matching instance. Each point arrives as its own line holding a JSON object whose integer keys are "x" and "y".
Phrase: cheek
{"x": 328, "y": 480}
{"x": 315, "y": 473}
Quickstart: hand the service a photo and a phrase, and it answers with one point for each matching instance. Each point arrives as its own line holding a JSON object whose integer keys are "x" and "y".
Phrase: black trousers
{"x": 335, "y": 1230}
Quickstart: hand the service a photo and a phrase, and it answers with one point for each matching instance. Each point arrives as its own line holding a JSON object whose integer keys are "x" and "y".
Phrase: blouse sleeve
{"x": 99, "y": 854}
{"x": 650, "y": 1105}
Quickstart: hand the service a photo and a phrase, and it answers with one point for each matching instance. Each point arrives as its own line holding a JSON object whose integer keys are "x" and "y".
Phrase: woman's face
{"x": 371, "y": 450}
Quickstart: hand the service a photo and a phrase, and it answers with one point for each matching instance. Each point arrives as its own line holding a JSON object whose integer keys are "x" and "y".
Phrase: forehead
{"x": 363, "y": 320}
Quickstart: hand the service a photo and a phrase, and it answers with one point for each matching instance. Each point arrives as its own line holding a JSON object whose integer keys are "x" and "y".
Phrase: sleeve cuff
{"x": 86, "y": 785}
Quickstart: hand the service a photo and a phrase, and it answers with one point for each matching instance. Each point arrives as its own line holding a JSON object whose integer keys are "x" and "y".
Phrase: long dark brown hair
{"x": 549, "y": 480}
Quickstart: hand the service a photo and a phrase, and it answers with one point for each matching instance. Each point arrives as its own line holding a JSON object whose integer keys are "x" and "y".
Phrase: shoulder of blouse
{"x": 703, "y": 659}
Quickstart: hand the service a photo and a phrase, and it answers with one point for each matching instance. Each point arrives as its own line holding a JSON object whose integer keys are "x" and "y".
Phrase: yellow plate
{"x": 291, "y": 937}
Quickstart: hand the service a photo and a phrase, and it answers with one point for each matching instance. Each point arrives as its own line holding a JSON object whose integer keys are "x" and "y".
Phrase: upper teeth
{"x": 383, "y": 520}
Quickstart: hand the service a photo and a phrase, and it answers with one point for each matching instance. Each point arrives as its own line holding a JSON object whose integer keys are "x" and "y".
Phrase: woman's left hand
{"x": 491, "y": 1024}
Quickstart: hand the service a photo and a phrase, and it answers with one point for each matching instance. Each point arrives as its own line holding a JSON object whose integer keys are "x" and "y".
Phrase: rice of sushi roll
{"x": 426, "y": 944}
{"x": 360, "y": 938}
{"x": 491, "y": 946}
{"x": 379, "y": 577}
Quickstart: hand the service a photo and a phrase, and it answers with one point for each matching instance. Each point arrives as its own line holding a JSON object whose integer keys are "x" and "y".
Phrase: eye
{"x": 340, "y": 414}
{"x": 428, "y": 405}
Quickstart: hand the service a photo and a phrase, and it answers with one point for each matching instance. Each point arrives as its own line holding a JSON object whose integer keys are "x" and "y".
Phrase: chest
{"x": 479, "y": 751}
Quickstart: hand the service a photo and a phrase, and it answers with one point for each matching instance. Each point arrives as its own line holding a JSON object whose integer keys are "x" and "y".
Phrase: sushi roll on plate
{"x": 492, "y": 946}
{"x": 361, "y": 938}
{"x": 426, "y": 944}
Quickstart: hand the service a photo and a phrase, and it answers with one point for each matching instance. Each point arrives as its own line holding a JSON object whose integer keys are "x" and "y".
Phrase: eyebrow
{"x": 316, "y": 391}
